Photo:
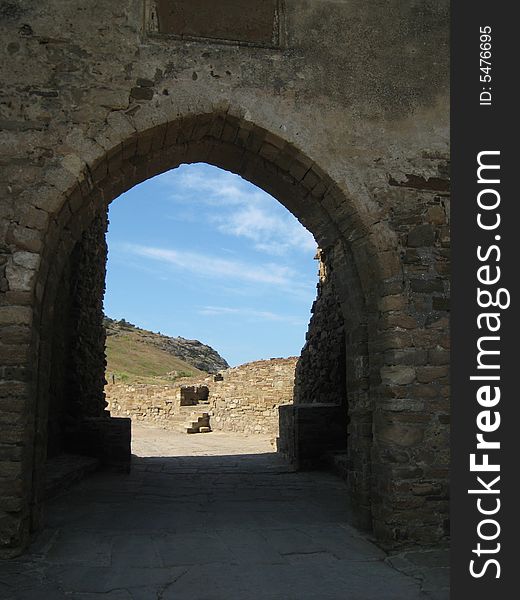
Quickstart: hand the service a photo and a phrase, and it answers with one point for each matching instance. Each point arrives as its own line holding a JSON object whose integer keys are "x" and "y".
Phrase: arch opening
{"x": 309, "y": 194}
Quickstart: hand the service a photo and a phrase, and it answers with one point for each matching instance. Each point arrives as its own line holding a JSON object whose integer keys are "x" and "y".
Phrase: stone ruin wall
{"x": 320, "y": 372}
{"x": 249, "y": 396}
{"x": 245, "y": 401}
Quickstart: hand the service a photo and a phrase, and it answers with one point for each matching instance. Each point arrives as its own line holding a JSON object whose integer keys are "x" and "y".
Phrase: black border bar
{"x": 478, "y": 127}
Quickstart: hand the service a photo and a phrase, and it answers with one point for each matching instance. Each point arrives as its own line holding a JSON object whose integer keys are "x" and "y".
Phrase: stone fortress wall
{"x": 245, "y": 400}
{"x": 333, "y": 115}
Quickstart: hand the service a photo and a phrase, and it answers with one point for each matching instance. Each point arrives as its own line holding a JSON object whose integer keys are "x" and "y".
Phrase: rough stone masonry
{"x": 340, "y": 110}
{"x": 242, "y": 399}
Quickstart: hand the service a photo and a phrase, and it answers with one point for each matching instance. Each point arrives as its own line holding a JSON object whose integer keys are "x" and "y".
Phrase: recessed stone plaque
{"x": 249, "y": 22}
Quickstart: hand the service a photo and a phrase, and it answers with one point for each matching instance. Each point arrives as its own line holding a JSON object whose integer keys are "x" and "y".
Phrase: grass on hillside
{"x": 132, "y": 360}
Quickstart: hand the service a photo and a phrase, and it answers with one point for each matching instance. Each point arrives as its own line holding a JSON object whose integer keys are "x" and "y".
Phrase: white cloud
{"x": 270, "y": 274}
{"x": 262, "y": 315}
{"x": 220, "y": 188}
{"x": 244, "y": 211}
{"x": 271, "y": 233}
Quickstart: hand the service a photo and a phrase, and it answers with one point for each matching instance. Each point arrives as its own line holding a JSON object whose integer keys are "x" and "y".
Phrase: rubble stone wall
{"x": 248, "y": 397}
{"x": 155, "y": 404}
{"x": 246, "y": 400}
{"x": 78, "y": 363}
{"x": 321, "y": 369}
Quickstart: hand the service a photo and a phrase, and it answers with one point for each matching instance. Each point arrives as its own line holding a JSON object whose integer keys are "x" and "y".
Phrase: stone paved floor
{"x": 211, "y": 516}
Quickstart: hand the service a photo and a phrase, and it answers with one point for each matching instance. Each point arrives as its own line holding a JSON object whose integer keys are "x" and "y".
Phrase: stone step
{"x": 198, "y": 424}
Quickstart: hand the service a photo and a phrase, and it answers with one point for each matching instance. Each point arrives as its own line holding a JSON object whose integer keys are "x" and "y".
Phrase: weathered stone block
{"x": 423, "y": 235}
{"x": 398, "y": 433}
{"x": 427, "y": 286}
{"x": 432, "y": 374}
{"x": 397, "y": 375}
{"x": 388, "y": 303}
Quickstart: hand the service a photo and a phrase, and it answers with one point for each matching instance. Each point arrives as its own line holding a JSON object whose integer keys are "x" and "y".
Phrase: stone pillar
{"x": 410, "y": 367}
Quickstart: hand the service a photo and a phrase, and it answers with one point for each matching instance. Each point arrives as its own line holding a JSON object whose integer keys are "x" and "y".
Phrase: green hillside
{"x": 132, "y": 359}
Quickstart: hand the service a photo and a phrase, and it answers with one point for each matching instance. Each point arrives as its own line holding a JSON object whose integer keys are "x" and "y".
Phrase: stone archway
{"x": 357, "y": 151}
{"x": 364, "y": 261}
{"x": 260, "y": 157}
{"x": 263, "y": 159}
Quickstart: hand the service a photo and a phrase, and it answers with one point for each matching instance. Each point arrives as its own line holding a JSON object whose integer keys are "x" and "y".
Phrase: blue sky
{"x": 199, "y": 252}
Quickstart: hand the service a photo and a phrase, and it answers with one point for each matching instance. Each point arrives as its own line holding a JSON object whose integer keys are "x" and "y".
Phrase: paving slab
{"x": 315, "y": 579}
{"x": 216, "y": 516}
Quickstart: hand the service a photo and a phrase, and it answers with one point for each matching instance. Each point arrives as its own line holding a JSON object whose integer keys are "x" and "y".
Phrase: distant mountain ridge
{"x": 140, "y": 352}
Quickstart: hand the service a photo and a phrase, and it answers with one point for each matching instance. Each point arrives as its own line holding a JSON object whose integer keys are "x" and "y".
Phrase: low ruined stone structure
{"x": 248, "y": 397}
{"x": 193, "y": 394}
{"x": 245, "y": 399}
{"x": 340, "y": 110}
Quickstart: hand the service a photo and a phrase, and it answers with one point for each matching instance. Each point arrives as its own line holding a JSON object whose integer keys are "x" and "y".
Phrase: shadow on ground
{"x": 238, "y": 526}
